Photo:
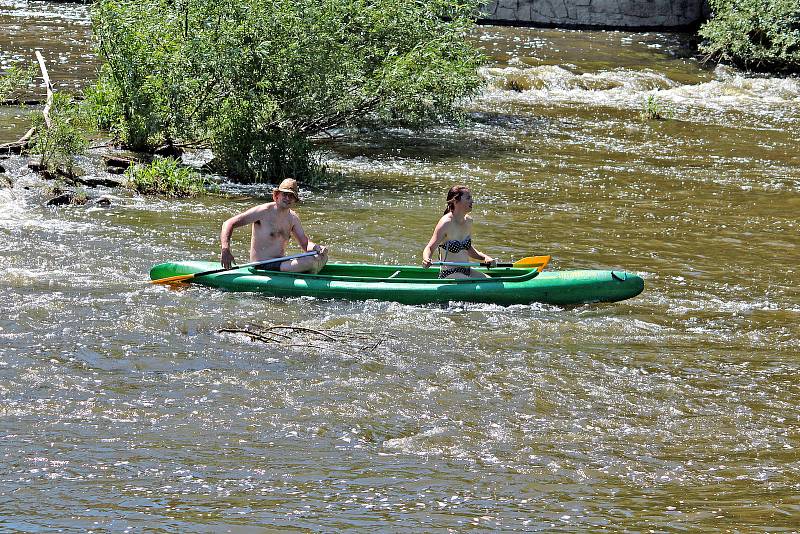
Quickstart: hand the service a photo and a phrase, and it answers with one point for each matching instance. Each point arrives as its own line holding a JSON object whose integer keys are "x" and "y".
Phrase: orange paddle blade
{"x": 172, "y": 279}
{"x": 533, "y": 262}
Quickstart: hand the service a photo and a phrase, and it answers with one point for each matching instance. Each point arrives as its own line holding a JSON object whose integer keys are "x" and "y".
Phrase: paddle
{"x": 184, "y": 277}
{"x": 531, "y": 262}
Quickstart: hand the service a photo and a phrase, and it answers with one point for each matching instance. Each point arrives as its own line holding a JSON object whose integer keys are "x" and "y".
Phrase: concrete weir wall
{"x": 650, "y": 14}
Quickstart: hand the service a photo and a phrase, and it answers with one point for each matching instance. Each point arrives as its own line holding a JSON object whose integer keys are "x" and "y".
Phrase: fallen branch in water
{"x": 301, "y": 329}
{"x": 18, "y": 102}
{"x": 18, "y": 146}
{"x": 248, "y": 333}
{"x": 335, "y": 340}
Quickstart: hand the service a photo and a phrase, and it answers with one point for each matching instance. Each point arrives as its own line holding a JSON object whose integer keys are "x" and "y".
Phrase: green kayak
{"x": 417, "y": 285}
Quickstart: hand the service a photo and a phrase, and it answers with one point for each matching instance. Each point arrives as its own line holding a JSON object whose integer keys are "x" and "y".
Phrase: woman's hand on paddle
{"x": 226, "y": 258}
{"x": 426, "y": 262}
{"x": 489, "y": 262}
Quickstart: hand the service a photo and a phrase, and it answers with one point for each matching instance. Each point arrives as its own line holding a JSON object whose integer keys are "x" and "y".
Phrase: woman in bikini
{"x": 453, "y": 237}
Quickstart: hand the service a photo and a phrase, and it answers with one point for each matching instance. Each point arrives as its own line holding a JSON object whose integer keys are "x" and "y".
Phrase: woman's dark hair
{"x": 454, "y": 195}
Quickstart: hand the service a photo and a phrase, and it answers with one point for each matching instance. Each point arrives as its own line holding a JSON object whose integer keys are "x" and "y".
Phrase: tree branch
{"x": 49, "y": 86}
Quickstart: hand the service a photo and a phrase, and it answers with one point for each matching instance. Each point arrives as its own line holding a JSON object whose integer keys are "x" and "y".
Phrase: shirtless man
{"x": 274, "y": 223}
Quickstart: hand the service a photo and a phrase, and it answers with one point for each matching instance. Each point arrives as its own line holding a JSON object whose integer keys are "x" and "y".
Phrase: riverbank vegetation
{"x": 256, "y": 81}
{"x": 755, "y": 34}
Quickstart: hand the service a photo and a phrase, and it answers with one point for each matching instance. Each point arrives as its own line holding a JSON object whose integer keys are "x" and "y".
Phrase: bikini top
{"x": 454, "y": 245}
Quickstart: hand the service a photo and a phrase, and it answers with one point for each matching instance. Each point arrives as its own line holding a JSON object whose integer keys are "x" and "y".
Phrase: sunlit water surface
{"x": 123, "y": 407}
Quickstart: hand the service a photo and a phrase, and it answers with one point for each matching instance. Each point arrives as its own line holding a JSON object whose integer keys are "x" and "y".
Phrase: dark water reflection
{"x": 122, "y": 407}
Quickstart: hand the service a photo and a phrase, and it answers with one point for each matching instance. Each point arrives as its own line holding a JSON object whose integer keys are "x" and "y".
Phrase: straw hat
{"x": 289, "y": 185}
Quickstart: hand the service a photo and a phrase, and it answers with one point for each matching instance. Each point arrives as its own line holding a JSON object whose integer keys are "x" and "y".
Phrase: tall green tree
{"x": 254, "y": 79}
{"x": 759, "y": 34}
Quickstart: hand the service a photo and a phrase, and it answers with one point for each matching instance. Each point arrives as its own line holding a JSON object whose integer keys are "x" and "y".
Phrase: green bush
{"x": 757, "y": 34}
{"x": 15, "y": 78}
{"x": 102, "y": 106}
{"x": 165, "y": 176}
{"x": 64, "y": 139}
{"x": 254, "y": 80}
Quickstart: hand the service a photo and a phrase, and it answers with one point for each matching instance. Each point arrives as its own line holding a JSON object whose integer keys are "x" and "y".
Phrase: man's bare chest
{"x": 270, "y": 228}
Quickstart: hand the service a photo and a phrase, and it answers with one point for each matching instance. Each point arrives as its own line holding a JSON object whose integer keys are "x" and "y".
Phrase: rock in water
{"x": 60, "y": 200}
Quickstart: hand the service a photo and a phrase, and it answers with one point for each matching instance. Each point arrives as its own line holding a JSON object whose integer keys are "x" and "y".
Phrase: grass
{"x": 653, "y": 109}
{"x": 167, "y": 177}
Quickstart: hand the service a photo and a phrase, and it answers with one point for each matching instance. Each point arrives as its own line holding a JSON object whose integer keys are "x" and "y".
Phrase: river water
{"x": 122, "y": 407}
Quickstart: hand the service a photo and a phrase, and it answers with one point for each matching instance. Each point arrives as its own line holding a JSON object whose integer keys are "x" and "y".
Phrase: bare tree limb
{"x": 300, "y": 329}
{"x": 49, "y": 86}
{"x": 341, "y": 342}
{"x": 250, "y": 334}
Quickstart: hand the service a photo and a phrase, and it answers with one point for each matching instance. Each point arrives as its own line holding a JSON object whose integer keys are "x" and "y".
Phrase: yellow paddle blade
{"x": 533, "y": 262}
{"x": 172, "y": 279}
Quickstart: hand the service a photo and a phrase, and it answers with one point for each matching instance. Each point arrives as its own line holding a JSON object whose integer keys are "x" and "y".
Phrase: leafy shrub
{"x": 254, "y": 80}
{"x": 64, "y": 139}
{"x": 102, "y": 106}
{"x": 15, "y": 78}
{"x": 265, "y": 157}
{"x": 758, "y": 34}
{"x": 165, "y": 176}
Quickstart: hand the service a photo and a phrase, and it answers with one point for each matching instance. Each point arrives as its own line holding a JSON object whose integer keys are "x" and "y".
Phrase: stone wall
{"x": 650, "y": 14}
